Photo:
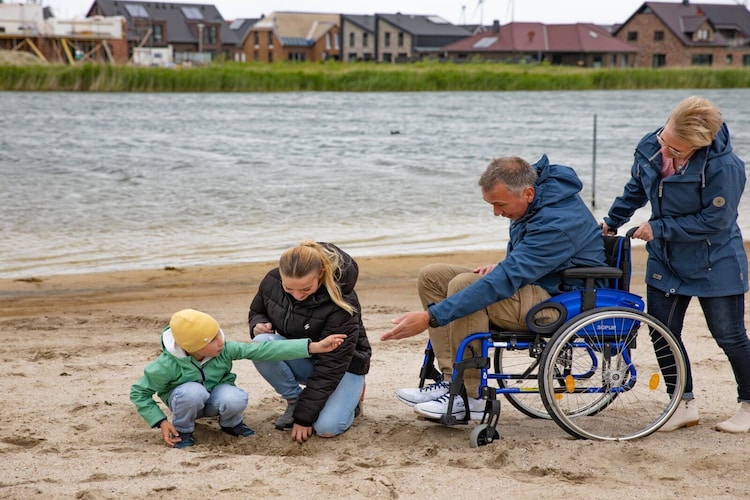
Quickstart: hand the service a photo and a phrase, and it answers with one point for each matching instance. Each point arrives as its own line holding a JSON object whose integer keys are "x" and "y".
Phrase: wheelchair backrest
{"x": 617, "y": 254}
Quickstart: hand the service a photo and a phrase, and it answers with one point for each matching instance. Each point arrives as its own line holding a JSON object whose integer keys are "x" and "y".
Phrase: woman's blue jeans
{"x": 191, "y": 400}
{"x": 725, "y": 317}
{"x": 286, "y": 376}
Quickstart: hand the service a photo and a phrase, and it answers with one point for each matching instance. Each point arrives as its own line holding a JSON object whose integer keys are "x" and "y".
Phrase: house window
{"x": 400, "y": 38}
{"x": 702, "y": 59}
{"x": 746, "y": 60}
{"x": 658, "y": 36}
{"x": 351, "y": 39}
{"x": 659, "y": 60}
{"x": 296, "y": 56}
{"x": 728, "y": 59}
{"x": 328, "y": 41}
{"x": 211, "y": 35}
{"x": 256, "y": 38}
{"x": 387, "y": 57}
{"x": 270, "y": 38}
{"x": 157, "y": 33}
{"x": 632, "y": 36}
{"x": 701, "y": 35}
{"x": 364, "y": 39}
{"x": 387, "y": 41}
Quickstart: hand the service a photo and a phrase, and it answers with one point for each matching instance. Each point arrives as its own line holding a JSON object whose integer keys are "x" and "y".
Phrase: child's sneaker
{"x": 186, "y": 439}
{"x": 286, "y": 419}
{"x": 239, "y": 430}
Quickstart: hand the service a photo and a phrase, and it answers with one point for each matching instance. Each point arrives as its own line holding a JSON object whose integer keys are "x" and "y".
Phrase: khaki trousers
{"x": 438, "y": 281}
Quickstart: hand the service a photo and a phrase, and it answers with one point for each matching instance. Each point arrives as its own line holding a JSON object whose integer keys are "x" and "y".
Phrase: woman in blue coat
{"x": 693, "y": 181}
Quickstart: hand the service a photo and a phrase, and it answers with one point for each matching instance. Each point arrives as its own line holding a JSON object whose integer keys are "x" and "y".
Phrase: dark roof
{"x": 365, "y": 22}
{"x": 424, "y": 25}
{"x": 539, "y": 37}
{"x": 683, "y": 19}
{"x": 240, "y": 27}
{"x": 175, "y": 15}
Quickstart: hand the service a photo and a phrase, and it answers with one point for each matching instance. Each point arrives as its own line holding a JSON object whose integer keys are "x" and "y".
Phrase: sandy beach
{"x": 74, "y": 344}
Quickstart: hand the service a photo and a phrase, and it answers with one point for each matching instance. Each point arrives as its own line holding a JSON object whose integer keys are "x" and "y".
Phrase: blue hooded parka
{"x": 697, "y": 248}
{"x": 557, "y": 232}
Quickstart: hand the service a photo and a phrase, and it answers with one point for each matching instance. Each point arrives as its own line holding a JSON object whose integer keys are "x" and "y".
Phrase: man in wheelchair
{"x": 551, "y": 229}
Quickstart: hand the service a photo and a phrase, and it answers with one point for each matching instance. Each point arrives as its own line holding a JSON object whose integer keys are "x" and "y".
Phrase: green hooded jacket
{"x": 175, "y": 367}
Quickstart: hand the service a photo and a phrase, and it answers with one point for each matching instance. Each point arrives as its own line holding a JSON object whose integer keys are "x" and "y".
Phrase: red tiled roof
{"x": 538, "y": 37}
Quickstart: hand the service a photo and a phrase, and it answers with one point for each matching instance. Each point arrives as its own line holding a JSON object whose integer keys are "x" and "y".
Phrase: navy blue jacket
{"x": 557, "y": 232}
{"x": 697, "y": 248}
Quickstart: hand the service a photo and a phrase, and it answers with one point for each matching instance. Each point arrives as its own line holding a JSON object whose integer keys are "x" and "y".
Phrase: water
{"x": 110, "y": 181}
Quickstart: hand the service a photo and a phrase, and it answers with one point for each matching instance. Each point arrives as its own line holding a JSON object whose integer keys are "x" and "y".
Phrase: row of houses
{"x": 657, "y": 34}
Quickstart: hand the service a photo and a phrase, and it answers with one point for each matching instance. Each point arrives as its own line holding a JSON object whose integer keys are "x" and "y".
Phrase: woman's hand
{"x": 644, "y": 232}
{"x": 301, "y": 433}
{"x": 262, "y": 328}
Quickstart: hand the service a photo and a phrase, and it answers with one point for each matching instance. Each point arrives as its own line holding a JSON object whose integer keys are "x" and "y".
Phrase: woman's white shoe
{"x": 686, "y": 415}
{"x": 739, "y": 423}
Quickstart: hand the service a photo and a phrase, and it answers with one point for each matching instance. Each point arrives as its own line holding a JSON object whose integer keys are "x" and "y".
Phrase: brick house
{"x": 357, "y": 38}
{"x": 196, "y": 32}
{"x": 293, "y": 36}
{"x": 581, "y": 44}
{"x": 686, "y": 34}
{"x": 406, "y": 37}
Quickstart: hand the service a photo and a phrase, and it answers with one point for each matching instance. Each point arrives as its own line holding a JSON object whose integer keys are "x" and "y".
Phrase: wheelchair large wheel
{"x": 637, "y": 359}
{"x": 525, "y": 369}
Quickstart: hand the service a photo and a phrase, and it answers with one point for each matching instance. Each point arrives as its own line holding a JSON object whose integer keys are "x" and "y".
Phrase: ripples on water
{"x": 94, "y": 182}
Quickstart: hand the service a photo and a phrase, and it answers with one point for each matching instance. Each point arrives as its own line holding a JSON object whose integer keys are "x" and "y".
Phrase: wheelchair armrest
{"x": 583, "y": 273}
{"x": 591, "y": 274}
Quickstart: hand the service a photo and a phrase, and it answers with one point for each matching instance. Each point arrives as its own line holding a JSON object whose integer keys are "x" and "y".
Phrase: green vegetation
{"x": 356, "y": 77}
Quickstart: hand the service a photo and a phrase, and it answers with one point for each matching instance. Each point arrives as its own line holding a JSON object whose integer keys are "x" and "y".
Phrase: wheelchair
{"x": 582, "y": 362}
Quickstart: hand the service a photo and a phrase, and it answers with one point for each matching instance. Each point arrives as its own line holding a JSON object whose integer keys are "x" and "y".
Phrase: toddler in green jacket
{"x": 193, "y": 376}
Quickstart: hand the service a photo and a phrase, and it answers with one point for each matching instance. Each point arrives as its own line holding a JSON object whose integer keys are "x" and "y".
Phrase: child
{"x": 193, "y": 376}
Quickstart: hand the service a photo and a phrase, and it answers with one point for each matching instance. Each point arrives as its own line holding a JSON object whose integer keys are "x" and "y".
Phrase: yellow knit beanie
{"x": 193, "y": 330}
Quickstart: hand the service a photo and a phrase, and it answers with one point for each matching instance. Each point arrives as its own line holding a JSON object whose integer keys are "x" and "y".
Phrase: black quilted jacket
{"x": 315, "y": 318}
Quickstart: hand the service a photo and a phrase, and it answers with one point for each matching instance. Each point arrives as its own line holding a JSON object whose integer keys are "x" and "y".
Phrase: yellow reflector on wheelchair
{"x": 653, "y": 382}
{"x": 570, "y": 383}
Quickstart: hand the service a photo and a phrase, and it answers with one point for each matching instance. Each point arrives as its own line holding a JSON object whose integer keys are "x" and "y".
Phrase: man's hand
{"x": 328, "y": 344}
{"x": 301, "y": 433}
{"x": 482, "y": 270}
{"x": 408, "y": 325}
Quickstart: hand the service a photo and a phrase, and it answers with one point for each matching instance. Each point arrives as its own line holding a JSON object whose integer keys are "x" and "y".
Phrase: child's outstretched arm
{"x": 328, "y": 344}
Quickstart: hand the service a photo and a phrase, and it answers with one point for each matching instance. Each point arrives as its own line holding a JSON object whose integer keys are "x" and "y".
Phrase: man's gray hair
{"x": 514, "y": 172}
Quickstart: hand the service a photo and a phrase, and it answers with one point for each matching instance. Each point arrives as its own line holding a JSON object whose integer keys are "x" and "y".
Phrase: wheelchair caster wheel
{"x": 480, "y": 436}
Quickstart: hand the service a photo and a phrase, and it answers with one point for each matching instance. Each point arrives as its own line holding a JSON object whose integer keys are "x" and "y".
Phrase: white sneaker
{"x": 439, "y": 407}
{"x": 416, "y": 395}
{"x": 686, "y": 415}
{"x": 739, "y": 423}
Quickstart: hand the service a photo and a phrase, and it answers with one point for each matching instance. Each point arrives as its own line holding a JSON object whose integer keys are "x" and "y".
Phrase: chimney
{"x": 685, "y": 2}
{"x": 496, "y": 26}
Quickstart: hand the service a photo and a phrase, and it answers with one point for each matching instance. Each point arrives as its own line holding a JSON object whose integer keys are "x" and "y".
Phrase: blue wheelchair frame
{"x": 594, "y": 338}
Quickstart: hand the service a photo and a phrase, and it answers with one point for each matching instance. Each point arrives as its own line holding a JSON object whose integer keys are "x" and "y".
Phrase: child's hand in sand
{"x": 168, "y": 433}
{"x": 327, "y": 344}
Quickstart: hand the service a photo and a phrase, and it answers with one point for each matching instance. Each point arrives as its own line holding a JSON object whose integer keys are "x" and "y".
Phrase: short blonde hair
{"x": 695, "y": 121}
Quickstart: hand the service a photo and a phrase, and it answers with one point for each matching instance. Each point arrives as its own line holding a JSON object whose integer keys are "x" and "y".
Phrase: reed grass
{"x": 359, "y": 77}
